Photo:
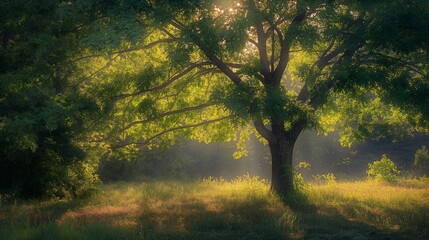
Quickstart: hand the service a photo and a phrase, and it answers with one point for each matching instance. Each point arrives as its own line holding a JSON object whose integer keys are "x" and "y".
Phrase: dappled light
{"x": 216, "y": 207}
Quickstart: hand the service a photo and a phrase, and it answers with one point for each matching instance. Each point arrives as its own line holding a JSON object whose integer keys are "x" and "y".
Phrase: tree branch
{"x": 321, "y": 63}
{"x": 186, "y": 109}
{"x": 273, "y": 46}
{"x": 224, "y": 68}
{"x": 171, "y": 130}
{"x": 234, "y": 65}
{"x": 253, "y": 42}
{"x": 330, "y": 46}
{"x": 411, "y": 66}
{"x": 221, "y": 65}
{"x": 329, "y": 83}
{"x": 262, "y": 42}
{"x": 262, "y": 47}
{"x": 166, "y": 83}
{"x": 171, "y": 35}
{"x": 147, "y": 46}
{"x": 264, "y": 132}
{"x": 96, "y": 72}
{"x": 285, "y": 48}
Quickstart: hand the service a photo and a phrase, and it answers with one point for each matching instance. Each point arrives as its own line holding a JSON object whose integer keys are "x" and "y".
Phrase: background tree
{"x": 383, "y": 170}
{"x": 176, "y": 66}
{"x": 43, "y": 119}
{"x": 421, "y": 162}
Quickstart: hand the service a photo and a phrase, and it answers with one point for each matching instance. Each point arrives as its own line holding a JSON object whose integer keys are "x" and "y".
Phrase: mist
{"x": 193, "y": 160}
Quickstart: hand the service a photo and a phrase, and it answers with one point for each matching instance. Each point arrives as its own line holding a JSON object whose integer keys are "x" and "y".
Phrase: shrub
{"x": 421, "y": 162}
{"x": 383, "y": 170}
{"x": 327, "y": 179}
{"x": 298, "y": 179}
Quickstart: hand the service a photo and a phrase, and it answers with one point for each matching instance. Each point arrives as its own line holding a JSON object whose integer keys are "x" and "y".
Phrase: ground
{"x": 219, "y": 209}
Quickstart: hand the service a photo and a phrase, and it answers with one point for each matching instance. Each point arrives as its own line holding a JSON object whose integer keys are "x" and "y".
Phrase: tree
{"x": 383, "y": 170}
{"x": 42, "y": 117}
{"x": 176, "y": 66}
{"x": 421, "y": 162}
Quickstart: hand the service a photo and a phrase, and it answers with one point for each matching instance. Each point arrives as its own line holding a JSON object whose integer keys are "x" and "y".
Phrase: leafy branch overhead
{"x": 269, "y": 60}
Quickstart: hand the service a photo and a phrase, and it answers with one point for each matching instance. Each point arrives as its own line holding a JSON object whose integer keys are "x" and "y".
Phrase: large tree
{"x": 175, "y": 66}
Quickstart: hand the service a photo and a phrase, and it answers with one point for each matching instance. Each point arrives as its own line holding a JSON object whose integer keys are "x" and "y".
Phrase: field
{"x": 219, "y": 209}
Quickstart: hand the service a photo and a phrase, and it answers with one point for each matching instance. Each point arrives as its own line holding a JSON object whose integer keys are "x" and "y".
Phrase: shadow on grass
{"x": 329, "y": 223}
{"x": 34, "y": 212}
{"x": 222, "y": 218}
{"x": 162, "y": 213}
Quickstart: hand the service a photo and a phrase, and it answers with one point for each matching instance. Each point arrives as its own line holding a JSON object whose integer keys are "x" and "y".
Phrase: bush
{"x": 298, "y": 179}
{"x": 421, "y": 162}
{"x": 82, "y": 180}
{"x": 327, "y": 179}
{"x": 383, "y": 170}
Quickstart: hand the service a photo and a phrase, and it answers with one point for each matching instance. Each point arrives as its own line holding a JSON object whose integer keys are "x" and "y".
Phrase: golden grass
{"x": 218, "y": 209}
{"x": 374, "y": 203}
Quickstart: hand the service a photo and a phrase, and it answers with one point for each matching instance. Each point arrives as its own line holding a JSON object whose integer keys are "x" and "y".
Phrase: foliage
{"x": 421, "y": 162}
{"x": 358, "y": 118}
{"x": 82, "y": 179}
{"x": 298, "y": 179}
{"x": 42, "y": 115}
{"x": 383, "y": 170}
{"x": 327, "y": 179}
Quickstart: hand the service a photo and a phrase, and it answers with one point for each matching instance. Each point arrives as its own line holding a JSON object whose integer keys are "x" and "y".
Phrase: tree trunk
{"x": 281, "y": 157}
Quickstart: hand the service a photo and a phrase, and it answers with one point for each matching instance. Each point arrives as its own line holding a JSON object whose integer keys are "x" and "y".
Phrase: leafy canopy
{"x": 175, "y": 66}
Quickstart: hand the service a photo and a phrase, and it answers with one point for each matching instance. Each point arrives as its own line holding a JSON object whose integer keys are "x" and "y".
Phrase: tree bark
{"x": 281, "y": 157}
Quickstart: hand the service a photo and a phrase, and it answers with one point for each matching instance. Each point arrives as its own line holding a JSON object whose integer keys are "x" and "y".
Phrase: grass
{"x": 219, "y": 209}
{"x": 378, "y": 209}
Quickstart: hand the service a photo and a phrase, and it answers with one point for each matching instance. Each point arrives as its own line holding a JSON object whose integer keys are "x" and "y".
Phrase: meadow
{"x": 243, "y": 208}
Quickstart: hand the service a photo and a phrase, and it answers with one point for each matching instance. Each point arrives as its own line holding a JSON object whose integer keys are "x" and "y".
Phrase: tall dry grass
{"x": 217, "y": 209}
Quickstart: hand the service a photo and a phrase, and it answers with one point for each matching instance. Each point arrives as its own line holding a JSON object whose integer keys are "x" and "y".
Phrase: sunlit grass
{"x": 218, "y": 209}
{"x": 380, "y": 205}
